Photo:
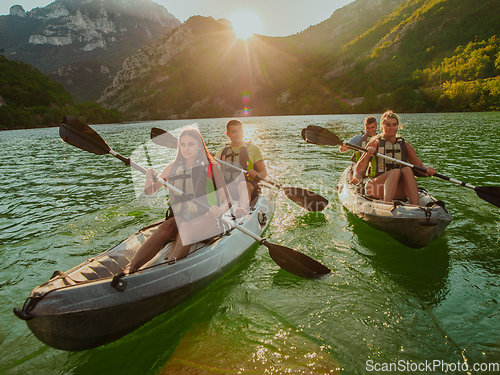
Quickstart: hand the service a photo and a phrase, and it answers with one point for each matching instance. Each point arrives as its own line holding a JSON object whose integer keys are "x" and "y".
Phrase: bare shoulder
{"x": 167, "y": 170}
{"x": 409, "y": 147}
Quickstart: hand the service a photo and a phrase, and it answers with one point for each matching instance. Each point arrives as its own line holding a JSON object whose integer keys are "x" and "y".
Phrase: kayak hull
{"x": 413, "y": 226}
{"x": 86, "y": 314}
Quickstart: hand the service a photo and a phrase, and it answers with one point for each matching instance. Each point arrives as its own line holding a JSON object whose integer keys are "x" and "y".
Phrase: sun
{"x": 245, "y": 24}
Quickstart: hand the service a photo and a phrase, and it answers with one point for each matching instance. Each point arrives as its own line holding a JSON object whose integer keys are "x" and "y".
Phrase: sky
{"x": 277, "y": 17}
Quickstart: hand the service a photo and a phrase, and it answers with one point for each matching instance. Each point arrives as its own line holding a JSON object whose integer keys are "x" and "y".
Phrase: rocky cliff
{"x": 175, "y": 62}
{"x": 68, "y": 32}
{"x": 201, "y": 70}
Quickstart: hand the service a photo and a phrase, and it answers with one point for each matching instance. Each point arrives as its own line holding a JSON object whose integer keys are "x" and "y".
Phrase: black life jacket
{"x": 239, "y": 158}
{"x": 198, "y": 182}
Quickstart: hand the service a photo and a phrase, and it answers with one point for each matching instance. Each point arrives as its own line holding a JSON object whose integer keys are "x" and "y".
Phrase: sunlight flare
{"x": 245, "y": 24}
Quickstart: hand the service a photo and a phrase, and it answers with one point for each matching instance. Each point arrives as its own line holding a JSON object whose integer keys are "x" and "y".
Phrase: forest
{"x": 31, "y": 99}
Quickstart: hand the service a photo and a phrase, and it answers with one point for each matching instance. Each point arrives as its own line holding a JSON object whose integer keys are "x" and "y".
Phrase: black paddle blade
{"x": 305, "y": 198}
{"x": 303, "y": 135}
{"x": 163, "y": 138}
{"x": 315, "y": 128}
{"x": 324, "y": 137}
{"x": 490, "y": 194}
{"x": 297, "y": 263}
{"x": 80, "y": 135}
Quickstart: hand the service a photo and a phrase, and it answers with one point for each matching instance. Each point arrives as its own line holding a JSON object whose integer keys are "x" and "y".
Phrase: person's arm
{"x": 356, "y": 140}
{"x": 363, "y": 162}
{"x": 259, "y": 168}
{"x": 413, "y": 159}
{"x": 222, "y": 190}
{"x": 152, "y": 186}
{"x": 259, "y": 165}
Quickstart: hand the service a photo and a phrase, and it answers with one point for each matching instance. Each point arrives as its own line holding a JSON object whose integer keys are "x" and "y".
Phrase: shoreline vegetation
{"x": 29, "y": 99}
{"x": 467, "y": 81}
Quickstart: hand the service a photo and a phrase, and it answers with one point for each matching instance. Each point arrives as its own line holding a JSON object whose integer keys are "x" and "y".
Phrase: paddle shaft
{"x": 256, "y": 178}
{"x": 420, "y": 169}
{"x": 141, "y": 169}
{"x": 166, "y": 139}
{"x": 80, "y": 135}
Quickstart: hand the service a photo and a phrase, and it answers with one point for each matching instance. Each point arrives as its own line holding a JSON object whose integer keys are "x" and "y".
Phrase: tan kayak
{"x": 413, "y": 226}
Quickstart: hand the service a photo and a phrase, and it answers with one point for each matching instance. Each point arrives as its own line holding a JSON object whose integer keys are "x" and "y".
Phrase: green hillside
{"x": 88, "y": 40}
{"x": 390, "y": 64}
{"x": 215, "y": 76}
{"x": 31, "y": 99}
{"x": 420, "y": 56}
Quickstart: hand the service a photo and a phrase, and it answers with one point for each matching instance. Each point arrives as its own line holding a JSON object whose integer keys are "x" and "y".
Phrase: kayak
{"x": 94, "y": 304}
{"x": 413, "y": 226}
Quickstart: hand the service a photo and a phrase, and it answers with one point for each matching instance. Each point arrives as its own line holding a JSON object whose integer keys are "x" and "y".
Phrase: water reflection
{"x": 271, "y": 346}
{"x": 383, "y": 302}
{"x": 423, "y": 272}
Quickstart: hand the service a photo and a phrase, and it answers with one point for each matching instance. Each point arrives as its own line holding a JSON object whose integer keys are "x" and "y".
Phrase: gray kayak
{"x": 413, "y": 226}
{"x": 94, "y": 304}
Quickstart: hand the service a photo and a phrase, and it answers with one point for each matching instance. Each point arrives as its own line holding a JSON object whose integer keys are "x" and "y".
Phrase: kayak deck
{"x": 115, "y": 260}
{"x": 94, "y": 303}
{"x": 413, "y": 226}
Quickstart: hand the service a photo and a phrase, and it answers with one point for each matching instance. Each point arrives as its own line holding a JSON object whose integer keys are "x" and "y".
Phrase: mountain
{"x": 82, "y": 43}
{"x": 201, "y": 70}
{"x": 345, "y": 24}
{"x": 415, "y": 36}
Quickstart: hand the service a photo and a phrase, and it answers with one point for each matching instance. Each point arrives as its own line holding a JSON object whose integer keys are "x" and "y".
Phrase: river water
{"x": 385, "y": 304}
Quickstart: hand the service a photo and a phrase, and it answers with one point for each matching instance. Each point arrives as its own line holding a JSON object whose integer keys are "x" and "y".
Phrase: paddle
{"x": 80, "y": 135}
{"x": 304, "y": 198}
{"x": 321, "y": 136}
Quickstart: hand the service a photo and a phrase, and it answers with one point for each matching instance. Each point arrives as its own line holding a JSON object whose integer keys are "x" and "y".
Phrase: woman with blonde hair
{"x": 392, "y": 180}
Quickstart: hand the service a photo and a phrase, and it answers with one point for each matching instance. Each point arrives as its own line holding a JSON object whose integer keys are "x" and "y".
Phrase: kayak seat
{"x": 101, "y": 268}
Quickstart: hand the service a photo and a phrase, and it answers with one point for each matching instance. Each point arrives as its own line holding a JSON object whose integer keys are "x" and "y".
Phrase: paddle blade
{"x": 80, "y": 135}
{"x": 303, "y": 135}
{"x": 163, "y": 138}
{"x": 305, "y": 198}
{"x": 490, "y": 194}
{"x": 324, "y": 137}
{"x": 297, "y": 263}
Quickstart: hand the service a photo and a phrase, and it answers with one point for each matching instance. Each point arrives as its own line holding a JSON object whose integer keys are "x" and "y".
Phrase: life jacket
{"x": 239, "y": 157}
{"x": 396, "y": 151}
{"x": 198, "y": 182}
{"x": 365, "y": 139}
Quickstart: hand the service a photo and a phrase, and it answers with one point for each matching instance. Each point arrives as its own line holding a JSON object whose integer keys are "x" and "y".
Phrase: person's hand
{"x": 252, "y": 173}
{"x": 128, "y": 270}
{"x": 215, "y": 211}
{"x": 370, "y": 150}
{"x": 430, "y": 171}
{"x": 151, "y": 174}
{"x": 343, "y": 148}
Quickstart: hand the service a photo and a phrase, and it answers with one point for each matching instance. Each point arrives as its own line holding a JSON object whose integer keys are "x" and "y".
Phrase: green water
{"x": 385, "y": 303}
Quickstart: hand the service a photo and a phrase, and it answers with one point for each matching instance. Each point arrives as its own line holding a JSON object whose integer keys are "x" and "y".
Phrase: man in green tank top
{"x": 362, "y": 140}
{"x": 248, "y": 157}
